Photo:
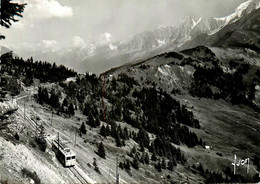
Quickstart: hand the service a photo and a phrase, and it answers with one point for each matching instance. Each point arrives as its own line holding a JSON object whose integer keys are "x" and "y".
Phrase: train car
{"x": 65, "y": 155}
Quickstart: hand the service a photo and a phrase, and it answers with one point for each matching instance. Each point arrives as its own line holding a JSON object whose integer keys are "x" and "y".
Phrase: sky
{"x": 49, "y": 25}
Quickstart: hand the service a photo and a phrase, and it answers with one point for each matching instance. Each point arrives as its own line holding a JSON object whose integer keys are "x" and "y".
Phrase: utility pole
{"x": 58, "y": 141}
{"x": 51, "y": 117}
{"x": 24, "y": 110}
{"x": 36, "y": 118}
{"x": 117, "y": 174}
{"x": 75, "y": 137}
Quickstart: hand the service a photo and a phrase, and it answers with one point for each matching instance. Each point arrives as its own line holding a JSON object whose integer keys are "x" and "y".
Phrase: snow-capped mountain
{"x": 241, "y": 31}
{"x": 152, "y": 39}
{"x": 243, "y": 9}
{"x": 188, "y": 29}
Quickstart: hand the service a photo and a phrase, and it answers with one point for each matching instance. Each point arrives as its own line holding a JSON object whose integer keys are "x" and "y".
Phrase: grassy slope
{"x": 228, "y": 129}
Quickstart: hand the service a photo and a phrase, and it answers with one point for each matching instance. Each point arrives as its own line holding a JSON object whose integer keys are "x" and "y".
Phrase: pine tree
{"x": 146, "y": 158}
{"x": 16, "y": 136}
{"x": 142, "y": 158}
{"x": 103, "y": 131}
{"x": 118, "y": 140}
{"x": 83, "y": 128}
{"x": 54, "y": 99}
{"x": 91, "y": 121}
{"x": 170, "y": 165}
{"x": 133, "y": 151}
{"x": 71, "y": 110}
{"x": 127, "y": 165}
{"x": 97, "y": 121}
{"x": 141, "y": 146}
{"x": 8, "y": 11}
{"x": 153, "y": 158}
{"x": 174, "y": 161}
{"x": 163, "y": 164}
{"x": 121, "y": 165}
{"x": 159, "y": 166}
{"x": 126, "y": 133}
{"x": 65, "y": 102}
{"x": 143, "y": 137}
{"x": 135, "y": 163}
{"x": 123, "y": 142}
{"x": 107, "y": 130}
{"x": 101, "y": 151}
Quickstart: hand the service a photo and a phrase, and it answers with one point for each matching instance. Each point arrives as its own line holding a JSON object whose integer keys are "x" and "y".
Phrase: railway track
{"x": 78, "y": 175}
{"x": 20, "y": 113}
{"x": 35, "y": 126}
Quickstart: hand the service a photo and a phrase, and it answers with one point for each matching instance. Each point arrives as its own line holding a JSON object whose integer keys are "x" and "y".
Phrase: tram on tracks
{"x": 64, "y": 154}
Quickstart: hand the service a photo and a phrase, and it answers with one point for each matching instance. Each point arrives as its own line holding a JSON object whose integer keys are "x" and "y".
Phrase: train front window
{"x": 73, "y": 157}
{"x": 68, "y": 158}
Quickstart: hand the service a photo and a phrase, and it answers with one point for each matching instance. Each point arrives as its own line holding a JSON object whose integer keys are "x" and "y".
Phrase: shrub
{"x": 16, "y": 136}
{"x": 101, "y": 151}
{"x": 42, "y": 143}
{"x": 96, "y": 166}
{"x": 83, "y": 128}
{"x": 33, "y": 175}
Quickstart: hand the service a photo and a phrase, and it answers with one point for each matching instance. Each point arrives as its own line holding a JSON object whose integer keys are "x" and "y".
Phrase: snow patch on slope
{"x": 162, "y": 71}
{"x": 161, "y": 42}
{"x": 195, "y": 23}
{"x": 112, "y": 47}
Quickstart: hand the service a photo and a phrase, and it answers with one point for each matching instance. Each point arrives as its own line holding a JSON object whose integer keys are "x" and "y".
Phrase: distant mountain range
{"x": 240, "y": 28}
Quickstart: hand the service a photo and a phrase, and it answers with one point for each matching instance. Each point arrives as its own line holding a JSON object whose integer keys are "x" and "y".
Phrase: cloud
{"x": 47, "y": 9}
{"x": 104, "y": 39}
{"x": 18, "y": 25}
{"x": 79, "y": 42}
{"x": 49, "y": 43}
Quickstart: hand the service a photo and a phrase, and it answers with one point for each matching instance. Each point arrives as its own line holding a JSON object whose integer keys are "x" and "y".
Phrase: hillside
{"x": 220, "y": 86}
{"x": 158, "y": 116}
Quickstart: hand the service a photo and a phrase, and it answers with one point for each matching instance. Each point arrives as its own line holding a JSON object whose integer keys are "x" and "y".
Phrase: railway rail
{"x": 33, "y": 124}
{"x": 73, "y": 169}
{"x": 20, "y": 113}
{"x": 78, "y": 175}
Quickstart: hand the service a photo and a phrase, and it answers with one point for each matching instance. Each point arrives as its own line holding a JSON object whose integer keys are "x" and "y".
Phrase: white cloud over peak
{"x": 79, "y": 42}
{"x": 47, "y": 9}
{"x": 106, "y": 36}
{"x": 104, "y": 39}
